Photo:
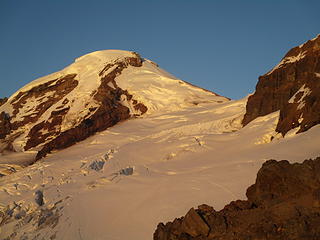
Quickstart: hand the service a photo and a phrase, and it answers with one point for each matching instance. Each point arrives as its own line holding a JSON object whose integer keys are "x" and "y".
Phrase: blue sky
{"x": 223, "y": 46}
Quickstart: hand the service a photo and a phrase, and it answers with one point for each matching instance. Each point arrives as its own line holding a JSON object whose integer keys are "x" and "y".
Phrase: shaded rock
{"x": 48, "y": 94}
{"x": 293, "y": 87}
{"x": 281, "y": 181}
{"x": 48, "y": 218}
{"x": 3, "y": 101}
{"x": 126, "y": 171}
{"x": 284, "y": 203}
{"x": 39, "y": 197}
{"x": 5, "y": 125}
{"x": 97, "y": 165}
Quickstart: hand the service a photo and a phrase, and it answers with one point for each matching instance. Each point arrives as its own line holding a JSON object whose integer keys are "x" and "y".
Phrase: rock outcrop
{"x": 293, "y": 87}
{"x": 283, "y": 204}
{"x": 5, "y": 125}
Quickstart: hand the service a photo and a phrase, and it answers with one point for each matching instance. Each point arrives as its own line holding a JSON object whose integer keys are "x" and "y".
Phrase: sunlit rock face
{"x": 293, "y": 87}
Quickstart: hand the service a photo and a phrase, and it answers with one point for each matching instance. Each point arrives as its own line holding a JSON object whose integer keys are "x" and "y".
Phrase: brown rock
{"x": 5, "y": 125}
{"x": 59, "y": 88}
{"x": 283, "y": 204}
{"x": 281, "y": 181}
{"x": 3, "y": 101}
{"x": 194, "y": 225}
{"x": 51, "y": 127}
{"x": 281, "y": 89}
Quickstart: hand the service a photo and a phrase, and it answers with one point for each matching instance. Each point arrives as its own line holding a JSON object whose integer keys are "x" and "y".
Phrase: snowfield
{"x": 120, "y": 183}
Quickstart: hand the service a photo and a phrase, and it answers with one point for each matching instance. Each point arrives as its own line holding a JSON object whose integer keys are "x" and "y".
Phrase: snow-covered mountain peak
{"x": 95, "y": 92}
{"x": 105, "y": 55}
{"x": 87, "y": 65}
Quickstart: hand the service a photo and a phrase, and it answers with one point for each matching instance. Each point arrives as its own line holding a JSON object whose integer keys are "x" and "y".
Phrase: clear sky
{"x": 223, "y": 46}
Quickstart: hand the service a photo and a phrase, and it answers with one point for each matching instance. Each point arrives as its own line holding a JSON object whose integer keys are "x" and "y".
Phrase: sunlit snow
{"x": 176, "y": 160}
{"x": 189, "y": 149}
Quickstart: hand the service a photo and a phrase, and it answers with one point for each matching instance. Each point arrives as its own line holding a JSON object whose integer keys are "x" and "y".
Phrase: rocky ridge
{"x": 282, "y": 204}
{"x": 293, "y": 87}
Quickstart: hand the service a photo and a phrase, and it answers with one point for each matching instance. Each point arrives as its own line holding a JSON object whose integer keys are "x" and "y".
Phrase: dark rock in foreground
{"x": 283, "y": 204}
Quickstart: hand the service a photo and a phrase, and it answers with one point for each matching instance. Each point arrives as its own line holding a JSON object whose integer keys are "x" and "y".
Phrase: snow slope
{"x": 160, "y": 91}
{"x": 120, "y": 183}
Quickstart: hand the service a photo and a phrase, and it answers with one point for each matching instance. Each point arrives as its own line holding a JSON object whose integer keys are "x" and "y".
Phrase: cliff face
{"x": 293, "y": 87}
{"x": 283, "y": 204}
